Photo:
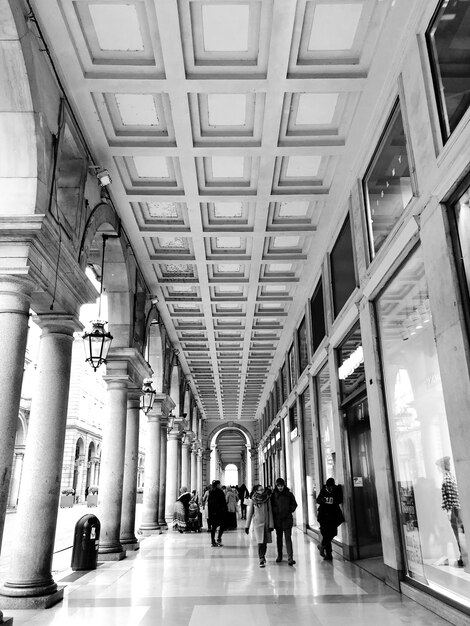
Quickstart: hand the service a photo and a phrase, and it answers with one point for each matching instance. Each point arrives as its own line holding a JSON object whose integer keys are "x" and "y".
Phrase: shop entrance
{"x": 365, "y": 508}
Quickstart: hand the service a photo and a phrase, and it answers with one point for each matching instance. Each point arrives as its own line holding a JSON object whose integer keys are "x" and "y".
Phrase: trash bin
{"x": 86, "y": 543}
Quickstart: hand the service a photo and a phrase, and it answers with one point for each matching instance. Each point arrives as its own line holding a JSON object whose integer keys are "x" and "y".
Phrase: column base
{"x": 7, "y": 621}
{"x": 111, "y": 556}
{"x": 31, "y": 602}
{"x": 129, "y": 547}
{"x": 169, "y": 522}
{"x": 150, "y": 532}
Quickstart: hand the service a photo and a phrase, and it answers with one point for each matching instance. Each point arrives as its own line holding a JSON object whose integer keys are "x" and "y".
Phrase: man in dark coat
{"x": 217, "y": 512}
{"x": 283, "y": 504}
{"x": 329, "y": 516}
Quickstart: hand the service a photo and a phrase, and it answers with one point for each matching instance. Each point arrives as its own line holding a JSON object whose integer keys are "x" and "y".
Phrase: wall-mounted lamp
{"x": 148, "y": 396}
{"x": 104, "y": 178}
{"x": 102, "y": 175}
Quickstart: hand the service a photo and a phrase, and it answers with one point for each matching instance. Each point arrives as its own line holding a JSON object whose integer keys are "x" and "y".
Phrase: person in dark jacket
{"x": 217, "y": 509}
{"x": 283, "y": 504}
{"x": 329, "y": 516}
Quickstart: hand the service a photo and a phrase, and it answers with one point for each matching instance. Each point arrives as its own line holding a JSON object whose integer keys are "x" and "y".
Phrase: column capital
{"x": 64, "y": 323}
{"x": 127, "y": 362}
{"x": 163, "y": 405}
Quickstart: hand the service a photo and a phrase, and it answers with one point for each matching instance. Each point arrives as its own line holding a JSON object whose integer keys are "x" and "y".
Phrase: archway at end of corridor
{"x": 230, "y": 475}
{"x": 231, "y": 448}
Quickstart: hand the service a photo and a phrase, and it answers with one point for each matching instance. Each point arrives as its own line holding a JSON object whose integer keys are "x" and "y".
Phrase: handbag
{"x": 247, "y": 501}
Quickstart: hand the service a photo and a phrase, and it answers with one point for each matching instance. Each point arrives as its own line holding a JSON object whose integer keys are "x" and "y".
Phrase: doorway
{"x": 364, "y": 495}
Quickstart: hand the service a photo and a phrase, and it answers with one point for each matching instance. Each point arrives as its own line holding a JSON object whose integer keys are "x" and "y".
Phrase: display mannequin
{"x": 451, "y": 501}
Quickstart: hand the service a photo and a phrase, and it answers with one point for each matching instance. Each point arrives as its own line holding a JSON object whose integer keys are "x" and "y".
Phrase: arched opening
{"x": 90, "y": 467}
{"x": 231, "y": 445}
{"x": 78, "y": 461}
{"x": 230, "y": 475}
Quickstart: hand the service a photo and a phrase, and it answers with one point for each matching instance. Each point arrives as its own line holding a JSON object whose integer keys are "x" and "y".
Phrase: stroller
{"x": 194, "y": 517}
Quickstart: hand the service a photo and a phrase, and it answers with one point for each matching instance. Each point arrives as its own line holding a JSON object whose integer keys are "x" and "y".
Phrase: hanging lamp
{"x": 97, "y": 340}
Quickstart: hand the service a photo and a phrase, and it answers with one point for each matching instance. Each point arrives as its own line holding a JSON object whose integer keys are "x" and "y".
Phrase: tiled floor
{"x": 180, "y": 580}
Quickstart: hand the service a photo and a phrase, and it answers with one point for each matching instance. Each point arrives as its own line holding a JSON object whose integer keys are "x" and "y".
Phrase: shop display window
{"x": 448, "y": 39}
{"x": 309, "y": 456}
{"x": 293, "y": 420}
{"x": 285, "y": 392}
{"x": 318, "y": 316}
{"x": 292, "y": 368}
{"x": 427, "y": 492}
{"x": 387, "y": 183}
{"x": 303, "y": 347}
{"x": 325, "y": 425}
{"x": 343, "y": 272}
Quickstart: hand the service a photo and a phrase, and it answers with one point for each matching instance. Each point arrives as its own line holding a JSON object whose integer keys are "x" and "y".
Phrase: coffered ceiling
{"x": 225, "y": 126}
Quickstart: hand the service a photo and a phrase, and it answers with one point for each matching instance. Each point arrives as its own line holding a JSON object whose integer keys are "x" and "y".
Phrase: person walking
{"x": 260, "y": 512}
{"x": 217, "y": 509}
{"x": 205, "y": 507}
{"x": 231, "y": 498}
{"x": 283, "y": 504}
{"x": 243, "y": 494}
{"x": 330, "y": 516}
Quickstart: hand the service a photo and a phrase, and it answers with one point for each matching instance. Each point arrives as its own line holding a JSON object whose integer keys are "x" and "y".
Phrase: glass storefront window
{"x": 285, "y": 393}
{"x": 448, "y": 39}
{"x": 387, "y": 183}
{"x": 292, "y": 368}
{"x": 302, "y": 344}
{"x": 318, "y": 316}
{"x": 433, "y": 535}
{"x": 351, "y": 365}
{"x": 309, "y": 456}
{"x": 293, "y": 420}
{"x": 343, "y": 272}
{"x": 325, "y": 425}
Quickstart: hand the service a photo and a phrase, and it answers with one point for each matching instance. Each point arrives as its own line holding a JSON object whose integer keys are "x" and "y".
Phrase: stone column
{"x": 16, "y": 479}
{"x": 162, "y": 485}
{"x": 185, "y": 451}
{"x": 199, "y": 472}
{"x": 15, "y": 299}
{"x": 129, "y": 489}
{"x": 29, "y": 583}
{"x": 171, "y": 474}
{"x": 112, "y": 457}
{"x": 194, "y": 483}
{"x": 149, "y": 523}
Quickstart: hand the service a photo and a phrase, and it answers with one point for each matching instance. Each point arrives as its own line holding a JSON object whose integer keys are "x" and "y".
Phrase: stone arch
{"x": 175, "y": 388}
{"x": 78, "y": 462}
{"x": 250, "y": 441}
{"x": 212, "y": 437}
{"x": 103, "y": 226}
{"x": 21, "y": 431}
{"x": 154, "y": 349}
{"x": 19, "y": 132}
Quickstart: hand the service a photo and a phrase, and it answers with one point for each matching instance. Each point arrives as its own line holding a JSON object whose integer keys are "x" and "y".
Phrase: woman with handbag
{"x": 260, "y": 513}
{"x": 243, "y": 495}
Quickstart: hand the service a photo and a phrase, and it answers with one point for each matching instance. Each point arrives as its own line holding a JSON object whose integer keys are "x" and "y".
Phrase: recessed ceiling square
{"x": 280, "y": 267}
{"x": 226, "y": 109}
{"x": 137, "y": 109}
{"x": 151, "y": 167}
{"x": 316, "y": 108}
{"x": 225, "y": 27}
{"x": 227, "y": 166}
{"x": 164, "y": 210}
{"x": 227, "y": 209}
{"x": 285, "y": 241}
{"x": 334, "y": 26}
{"x": 228, "y": 242}
{"x": 117, "y": 27}
{"x": 293, "y": 209}
{"x": 232, "y": 268}
{"x": 303, "y": 166}
{"x": 172, "y": 242}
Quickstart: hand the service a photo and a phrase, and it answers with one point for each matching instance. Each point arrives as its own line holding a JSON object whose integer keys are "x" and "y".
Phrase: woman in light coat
{"x": 231, "y": 498}
{"x": 260, "y": 513}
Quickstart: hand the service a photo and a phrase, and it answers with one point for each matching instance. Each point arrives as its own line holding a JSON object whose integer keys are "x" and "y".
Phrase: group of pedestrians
{"x": 265, "y": 510}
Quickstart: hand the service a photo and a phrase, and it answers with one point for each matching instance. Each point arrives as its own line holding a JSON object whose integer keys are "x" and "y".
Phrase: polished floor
{"x": 180, "y": 580}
